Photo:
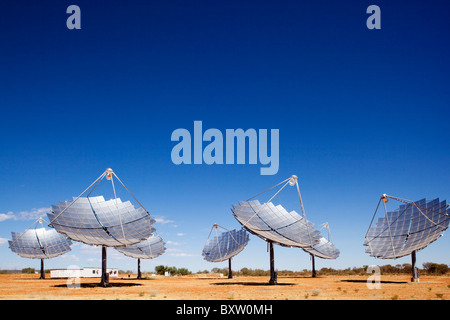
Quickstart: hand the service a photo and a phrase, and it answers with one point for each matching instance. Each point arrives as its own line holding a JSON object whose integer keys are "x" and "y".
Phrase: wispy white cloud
{"x": 173, "y": 243}
{"x": 7, "y": 216}
{"x": 183, "y": 254}
{"x": 163, "y": 220}
{"x": 87, "y": 249}
{"x": 3, "y": 241}
{"x": 70, "y": 257}
{"x": 180, "y": 234}
{"x": 32, "y": 214}
{"x": 93, "y": 260}
{"x": 116, "y": 255}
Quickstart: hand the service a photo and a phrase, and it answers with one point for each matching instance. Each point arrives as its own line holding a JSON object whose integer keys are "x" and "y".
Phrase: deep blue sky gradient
{"x": 360, "y": 112}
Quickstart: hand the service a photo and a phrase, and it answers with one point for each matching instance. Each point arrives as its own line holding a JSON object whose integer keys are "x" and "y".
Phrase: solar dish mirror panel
{"x": 98, "y": 222}
{"x": 225, "y": 245}
{"x": 410, "y": 227}
{"x": 39, "y": 243}
{"x": 276, "y": 224}
{"x": 325, "y": 249}
{"x": 150, "y": 248}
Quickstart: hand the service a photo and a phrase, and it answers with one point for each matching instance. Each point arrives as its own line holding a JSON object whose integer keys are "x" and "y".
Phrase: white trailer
{"x": 82, "y": 273}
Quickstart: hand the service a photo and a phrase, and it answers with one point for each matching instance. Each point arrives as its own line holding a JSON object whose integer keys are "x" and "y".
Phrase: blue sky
{"x": 360, "y": 112}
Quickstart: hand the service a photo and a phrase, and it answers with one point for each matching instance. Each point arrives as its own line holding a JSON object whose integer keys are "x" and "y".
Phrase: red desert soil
{"x": 214, "y": 287}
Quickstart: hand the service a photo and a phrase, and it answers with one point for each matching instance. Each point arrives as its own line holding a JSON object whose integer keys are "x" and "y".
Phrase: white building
{"x": 82, "y": 273}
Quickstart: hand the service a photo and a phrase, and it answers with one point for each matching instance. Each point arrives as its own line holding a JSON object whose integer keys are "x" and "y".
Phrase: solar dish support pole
{"x": 105, "y": 276}
{"x": 42, "y": 270}
{"x": 303, "y": 209}
{"x": 314, "y": 274}
{"x": 415, "y": 276}
{"x": 139, "y": 274}
{"x": 273, "y": 275}
{"x": 230, "y": 272}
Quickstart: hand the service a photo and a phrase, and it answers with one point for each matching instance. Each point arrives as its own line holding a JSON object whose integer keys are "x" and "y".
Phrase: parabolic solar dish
{"x": 276, "y": 224}
{"x": 225, "y": 245}
{"x": 410, "y": 227}
{"x": 147, "y": 249}
{"x": 39, "y": 243}
{"x": 92, "y": 220}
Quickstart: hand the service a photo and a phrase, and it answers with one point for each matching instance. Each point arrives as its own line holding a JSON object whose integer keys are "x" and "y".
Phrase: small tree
{"x": 28, "y": 270}
{"x": 160, "y": 269}
{"x": 183, "y": 271}
{"x": 203, "y": 271}
{"x": 245, "y": 271}
{"x": 436, "y": 268}
{"x": 172, "y": 270}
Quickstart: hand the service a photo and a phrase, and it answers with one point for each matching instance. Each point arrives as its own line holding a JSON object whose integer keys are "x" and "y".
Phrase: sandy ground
{"x": 214, "y": 287}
